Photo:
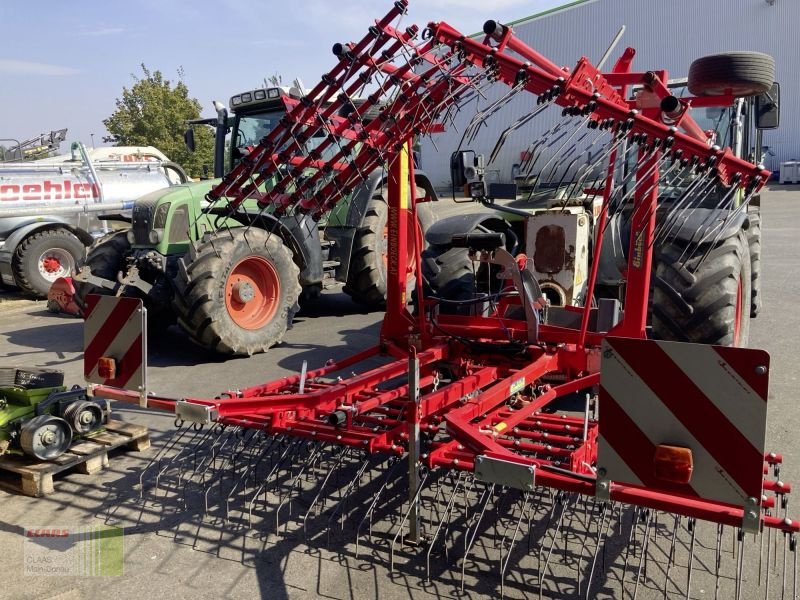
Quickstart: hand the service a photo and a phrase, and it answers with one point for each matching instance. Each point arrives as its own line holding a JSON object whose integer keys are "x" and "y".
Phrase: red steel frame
{"x": 362, "y": 410}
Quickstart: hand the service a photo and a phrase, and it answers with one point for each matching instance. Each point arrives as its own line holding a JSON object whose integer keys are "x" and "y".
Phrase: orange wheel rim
{"x": 252, "y": 292}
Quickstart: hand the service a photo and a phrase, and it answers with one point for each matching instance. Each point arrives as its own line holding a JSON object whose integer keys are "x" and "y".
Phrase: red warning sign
{"x": 114, "y": 341}
{"x": 660, "y": 399}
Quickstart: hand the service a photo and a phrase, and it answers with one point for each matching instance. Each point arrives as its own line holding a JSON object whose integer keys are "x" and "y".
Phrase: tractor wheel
{"x": 737, "y": 73}
{"x": 238, "y": 292}
{"x": 704, "y": 303}
{"x": 103, "y": 259}
{"x": 43, "y": 257}
{"x": 366, "y": 277}
{"x": 106, "y": 259}
{"x": 449, "y": 275}
{"x": 754, "y": 242}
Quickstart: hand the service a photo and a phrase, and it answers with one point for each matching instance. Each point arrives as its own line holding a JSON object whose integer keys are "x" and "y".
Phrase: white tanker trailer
{"x": 50, "y": 210}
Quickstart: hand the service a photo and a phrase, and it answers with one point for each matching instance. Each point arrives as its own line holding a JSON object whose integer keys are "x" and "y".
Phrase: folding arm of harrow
{"x": 471, "y": 391}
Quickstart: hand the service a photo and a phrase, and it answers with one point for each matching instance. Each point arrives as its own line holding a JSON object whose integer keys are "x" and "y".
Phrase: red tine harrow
{"x": 456, "y": 421}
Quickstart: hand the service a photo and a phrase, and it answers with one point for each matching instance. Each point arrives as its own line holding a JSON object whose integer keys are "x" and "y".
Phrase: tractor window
{"x": 717, "y": 119}
{"x": 179, "y": 226}
{"x": 251, "y": 128}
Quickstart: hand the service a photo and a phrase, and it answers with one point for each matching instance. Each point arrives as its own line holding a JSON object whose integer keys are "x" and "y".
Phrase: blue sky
{"x": 62, "y": 64}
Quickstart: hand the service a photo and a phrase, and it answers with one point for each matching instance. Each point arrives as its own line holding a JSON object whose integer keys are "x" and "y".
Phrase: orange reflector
{"x": 107, "y": 367}
{"x": 673, "y": 464}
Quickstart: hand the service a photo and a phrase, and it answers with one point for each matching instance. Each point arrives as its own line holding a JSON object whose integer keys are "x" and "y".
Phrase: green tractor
{"x": 39, "y": 417}
{"x": 706, "y": 281}
{"x": 233, "y": 283}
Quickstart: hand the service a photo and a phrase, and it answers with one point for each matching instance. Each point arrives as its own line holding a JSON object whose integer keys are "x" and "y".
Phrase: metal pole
{"x": 414, "y": 533}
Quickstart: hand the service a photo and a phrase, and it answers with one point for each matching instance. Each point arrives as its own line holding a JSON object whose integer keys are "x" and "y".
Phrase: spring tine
{"x": 563, "y": 156}
{"x": 250, "y": 470}
{"x": 469, "y": 540}
{"x": 720, "y": 229}
{"x": 339, "y": 509}
{"x": 315, "y": 452}
{"x": 501, "y": 140}
{"x": 631, "y": 543}
{"x": 600, "y": 535}
{"x": 726, "y": 200}
{"x": 445, "y": 515}
{"x": 504, "y": 566}
{"x": 615, "y": 143}
{"x": 703, "y": 183}
{"x": 769, "y": 550}
{"x": 717, "y": 561}
{"x": 783, "y": 571}
{"x": 405, "y": 518}
{"x": 642, "y": 559}
{"x": 740, "y": 565}
{"x": 290, "y": 450}
{"x": 761, "y": 548}
{"x": 692, "y": 524}
{"x": 543, "y": 143}
{"x": 671, "y": 555}
{"x": 654, "y": 207}
{"x": 344, "y": 451}
{"x": 793, "y": 548}
{"x": 603, "y": 517}
{"x": 558, "y": 152}
{"x": 176, "y": 436}
{"x": 374, "y": 503}
{"x": 563, "y": 503}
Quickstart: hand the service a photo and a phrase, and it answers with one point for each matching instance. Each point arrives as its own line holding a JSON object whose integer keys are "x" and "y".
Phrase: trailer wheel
{"x": 738, "y": 73}
{"x": 754, "y": 243}
{"x": 366, "y": 277}
{"x": 239, "y": 293}
{"x": 103, "y": 259}
{"x": 706, "y": 303}
{"x": 43, "y": 257}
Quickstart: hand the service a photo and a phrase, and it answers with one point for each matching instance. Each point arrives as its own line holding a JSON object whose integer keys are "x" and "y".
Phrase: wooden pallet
{"x": 87, "y": 455}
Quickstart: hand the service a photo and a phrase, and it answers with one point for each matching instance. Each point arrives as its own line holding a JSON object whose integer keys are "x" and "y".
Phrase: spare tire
{"x": 737, "y": 73}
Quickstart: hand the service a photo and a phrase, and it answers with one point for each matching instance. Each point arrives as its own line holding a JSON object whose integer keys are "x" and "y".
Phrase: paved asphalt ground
{"x": 191, "y": 557}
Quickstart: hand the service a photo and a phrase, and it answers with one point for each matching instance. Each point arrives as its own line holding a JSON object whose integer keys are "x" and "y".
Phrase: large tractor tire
{"x": 737, "y": 73}
{"x": 754, "y": 243}
{"x": 449, "y": 276}
{"x": 43, "y": 257}
{"x": 238, "y": 291}
{"x": 366, "y": 277}
{"x": 103, "y": 259}
{"x": 704, "y": 303}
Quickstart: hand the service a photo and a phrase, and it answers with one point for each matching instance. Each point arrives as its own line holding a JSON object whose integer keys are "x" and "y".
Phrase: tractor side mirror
{"x": 188, "y": 139}
{"x": 465, "y": 167}
{"x": 768, "y": 108}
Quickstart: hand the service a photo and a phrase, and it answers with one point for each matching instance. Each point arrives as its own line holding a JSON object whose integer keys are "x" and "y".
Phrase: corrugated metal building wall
{"x": 666, "y": 35}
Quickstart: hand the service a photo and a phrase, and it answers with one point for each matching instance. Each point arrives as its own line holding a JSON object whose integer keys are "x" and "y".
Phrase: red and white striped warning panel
{"x": 683, "y": 418}
{"x": 114, "y": 342}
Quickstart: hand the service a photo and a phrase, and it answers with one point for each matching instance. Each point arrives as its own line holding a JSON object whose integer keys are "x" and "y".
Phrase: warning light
{"x": 673, "y": 464}
{"x": 107, "y": 367}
